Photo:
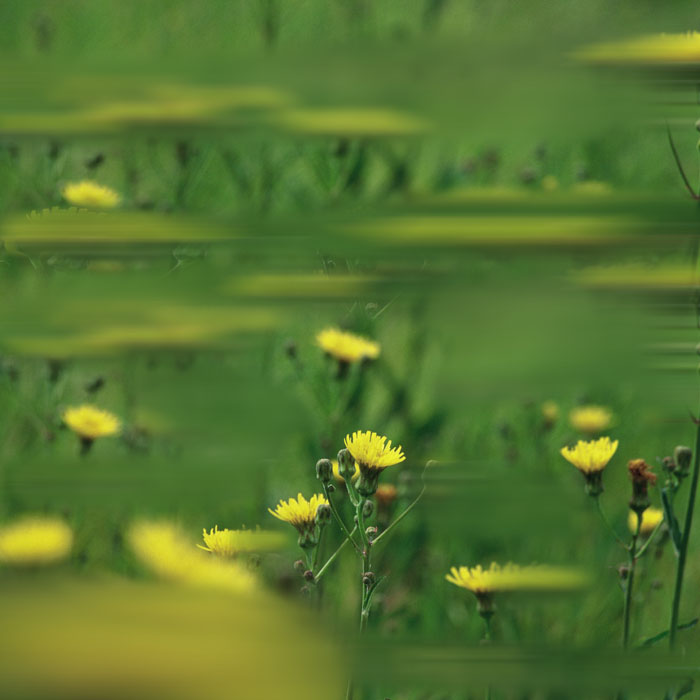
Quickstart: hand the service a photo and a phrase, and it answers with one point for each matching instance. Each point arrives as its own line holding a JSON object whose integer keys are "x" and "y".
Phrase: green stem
{"x": 649, "y": 540}
{"x": 683, "y": 553}
{"x": 333, "y": 556}
{"x": 629, "y": 587}
{"x": 608, "y": 524}
{"x": 338, "y": 519}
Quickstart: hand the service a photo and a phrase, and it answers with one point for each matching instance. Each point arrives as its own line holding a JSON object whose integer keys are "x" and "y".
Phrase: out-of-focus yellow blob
{"x": 35, "y": 541}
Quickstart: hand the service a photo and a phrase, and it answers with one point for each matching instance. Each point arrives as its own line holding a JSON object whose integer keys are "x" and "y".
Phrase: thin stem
{"x": 683, "y": 553}
{"x": 338, "y": 519}
{"x": 405, "y": 512}
{"x": 629, "y": 587}
{"x": 649, "y": 540}
{"x": 676, "y": 157}
{"x": 333, "y": 556}
{"x": 608, "y": 524}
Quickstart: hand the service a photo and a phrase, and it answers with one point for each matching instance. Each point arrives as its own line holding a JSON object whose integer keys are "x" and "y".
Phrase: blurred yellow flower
{"x": 33, "y": 541}
{"x": 386, "y": 494}
{"x": 347, "y": 347}
{"x": 590, "y": 419}
{"x": 650, "y": 519}
{"x": 512, "y": 577}
{"x": 590, "y": 456}
{"x": 90, "y": 422}
{"x": 649, "y": 49}
{"x": 299, "y": 512}
{"x": 229, "y": 543}
{"x": 372, "y": 451}
{"x": 162, "y": 547}
{"x": 91, "y": 195}
{"x": 550, "y": 412}
{"x": 336, "y": 471}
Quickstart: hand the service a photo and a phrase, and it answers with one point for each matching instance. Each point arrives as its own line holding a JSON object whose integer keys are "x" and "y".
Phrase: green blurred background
{"x": 440, "y": 176}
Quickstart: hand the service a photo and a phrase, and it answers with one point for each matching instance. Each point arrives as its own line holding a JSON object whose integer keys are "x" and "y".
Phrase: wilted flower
{"x": 163, "y": 548}
{"x": 651, "y": 517}
{"x": 35, "y": 541}
{"x": 591, "y": 419}
{"x": 91, "y": 195}
{"x": 347, "y": 347}
{"x": 229, "y": 543}
{"x": 373, "y": 454}
{"x": 641, "y": 476}
{"x": 590, "y": 458}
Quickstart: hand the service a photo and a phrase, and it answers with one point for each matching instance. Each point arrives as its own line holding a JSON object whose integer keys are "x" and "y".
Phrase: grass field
{"x": 503, "y": 230}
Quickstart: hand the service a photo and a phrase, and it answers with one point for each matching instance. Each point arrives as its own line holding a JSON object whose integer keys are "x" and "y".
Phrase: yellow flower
{"x": 90, "y": 194}
{"x": 650, "y": 519}
{"x": 372, "y": 451}
{"x": 591, "y": 419}
{"x": 166, "y": 551}
{"x": 336, "y": 471}
{"x": 90, "y": 422}
{"x": 33, "y": 541}
{"x": 512, "y": 577}
{"x": 347, "y": 347}
{"x": 229, "y": 543}
{"x": 590, "y": 456}
{"x": 299, "y": 512}
{"x": 649, "y": 49}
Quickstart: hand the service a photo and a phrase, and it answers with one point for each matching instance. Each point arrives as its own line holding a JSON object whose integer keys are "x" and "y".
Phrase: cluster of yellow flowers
{"x": 347, "y": 347}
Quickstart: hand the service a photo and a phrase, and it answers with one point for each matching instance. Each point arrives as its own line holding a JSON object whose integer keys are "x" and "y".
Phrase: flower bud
{"x": 682, "y": 456}
{"x": 299, "y": 566}
{"x": 367, "y": 508}
{"x": 323, "y": 514}
{"x": 309, "y": 575}
{"x": 368, "y": 578}
{"x": 324, "y": 470}
{"x": 346, "y": 464}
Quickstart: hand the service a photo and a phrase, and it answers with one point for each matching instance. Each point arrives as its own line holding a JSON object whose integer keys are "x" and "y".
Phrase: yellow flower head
{"x": 372, "y": 451}
{"x": 336, "y": 471}
{"x": 347, "y": 347}
{"x": 163, "y": 548}
{"x": 591, "y": 456}
{"x": 34, "y": 541}
{"x": 90, "y": 194}
{"x": 650, "y": 519}
{"x": 90, "y": 422}
{"x": 591, "y": 419}
{"x": 511, "y": 577}
{"x": 299, "y": 512}
{"x": 229, "y": 543}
